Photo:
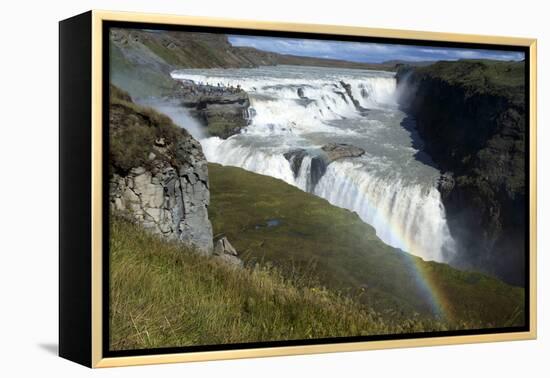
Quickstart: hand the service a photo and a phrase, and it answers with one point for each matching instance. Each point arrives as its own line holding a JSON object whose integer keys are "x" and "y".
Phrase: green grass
{"x": 506, "y": 79}
{"x": 345, "y": 254}
{"x": 133, "y": 131}
{"x": 163, "y": 295}
{"x": 297, "y": 283}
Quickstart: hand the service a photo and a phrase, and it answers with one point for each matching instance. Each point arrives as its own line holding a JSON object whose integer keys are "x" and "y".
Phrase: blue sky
{"x": 366, "y": 52}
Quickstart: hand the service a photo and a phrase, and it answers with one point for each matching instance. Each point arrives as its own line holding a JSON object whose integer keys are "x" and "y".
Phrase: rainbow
{"x": 427, "y": 283}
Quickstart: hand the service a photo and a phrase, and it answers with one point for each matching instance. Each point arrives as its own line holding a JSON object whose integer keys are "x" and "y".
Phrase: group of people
{"x": 201, "y": 88}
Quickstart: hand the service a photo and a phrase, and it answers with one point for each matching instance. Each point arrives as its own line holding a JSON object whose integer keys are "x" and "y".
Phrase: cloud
{"x": 367, "y": 52}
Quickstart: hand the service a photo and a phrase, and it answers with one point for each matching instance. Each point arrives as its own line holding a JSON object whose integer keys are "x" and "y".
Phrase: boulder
{"x": 335, "y": 151}
{"x": 226, "y": 252}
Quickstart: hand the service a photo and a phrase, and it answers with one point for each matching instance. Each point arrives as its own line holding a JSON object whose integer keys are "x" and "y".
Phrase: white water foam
{"x": 278, "y": 107}
{"x": 230, "y": 152}
{"x": 388, "y": 188}
{"x": 410, "y": 217}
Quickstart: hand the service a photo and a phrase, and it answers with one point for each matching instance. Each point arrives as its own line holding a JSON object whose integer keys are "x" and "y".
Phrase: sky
{"x": 366, "y": 52}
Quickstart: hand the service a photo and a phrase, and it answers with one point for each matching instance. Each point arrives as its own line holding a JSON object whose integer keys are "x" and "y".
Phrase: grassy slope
{"x": 506, "y": 79}
{"x": 344, "y": 252}
{"x": 133, "y": 130}
{"x": 164, "y": 295}
{"x": 201, "y": 50}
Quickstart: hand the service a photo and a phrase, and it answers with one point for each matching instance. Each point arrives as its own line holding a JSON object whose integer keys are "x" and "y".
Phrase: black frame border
{"x": 75, "y": 197}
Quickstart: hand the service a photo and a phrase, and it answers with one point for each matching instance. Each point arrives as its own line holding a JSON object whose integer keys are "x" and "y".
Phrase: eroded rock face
{"x": 295, "y": 158}
{"x": 347, "y": 88}
{"x": 167, "y": 201}
{"x": 160, "y": 179}
{"x": 446, "y": 184}
{"x": 471, "y": 116}
{"x": 223, "y": 111}
{"x": 320, "y": 160}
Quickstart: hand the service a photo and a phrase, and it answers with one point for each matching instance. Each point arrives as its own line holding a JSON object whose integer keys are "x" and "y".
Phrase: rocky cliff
{"x": 141, "y": 60}
{"x": 471, "y": 116}
{"x": 320, "y": 160}
{"x": 223, "y": 111}
{"x": 158, "y": 174}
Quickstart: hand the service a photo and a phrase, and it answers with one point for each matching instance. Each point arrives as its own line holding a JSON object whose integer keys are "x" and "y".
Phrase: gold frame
{"x": 99, "y": 16}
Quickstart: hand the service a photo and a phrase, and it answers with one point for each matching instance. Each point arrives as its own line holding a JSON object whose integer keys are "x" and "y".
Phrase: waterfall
{"x": 292, "y": 105}
{"x": 296, "y": 110}
{"x": 410, "y": 217}
{"x": 303, "y": 178}
{"x": 230, "y": 152}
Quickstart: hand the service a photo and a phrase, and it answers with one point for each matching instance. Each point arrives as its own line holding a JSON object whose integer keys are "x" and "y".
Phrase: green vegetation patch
{"x": 162, "y": 294}
{"x": 301, "y": 254}
{"x": 504, "y": 79}
{"x": 268, "y": 220}
{"x": 136, "y": 132}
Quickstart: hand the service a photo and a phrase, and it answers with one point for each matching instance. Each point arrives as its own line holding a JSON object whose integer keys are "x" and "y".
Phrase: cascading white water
{"x": 304, "y": 108}
{"x": 283, "y": 102}
{"x": 410, "y": 217}
{"x": 303, "y": 179}
{"x": 231, "y": 152}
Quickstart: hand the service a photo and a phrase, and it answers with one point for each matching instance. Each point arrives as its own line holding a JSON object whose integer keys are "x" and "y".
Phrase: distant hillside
{"x": 142, "y": 60}
{"x": 399, "y": 62}
{"x": 321, "y": 62}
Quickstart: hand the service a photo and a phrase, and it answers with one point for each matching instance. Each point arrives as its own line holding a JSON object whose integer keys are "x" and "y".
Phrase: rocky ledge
{"x": 347, "y": 88}
{"x": 159, "y": 177}
{"x": 335, "y": 151}
{"x": 223, "y": 111}
{"x": 320, "y": 160}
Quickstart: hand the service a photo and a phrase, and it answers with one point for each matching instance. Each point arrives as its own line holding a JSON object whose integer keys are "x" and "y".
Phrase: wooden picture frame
{"x": 85, "y": 192}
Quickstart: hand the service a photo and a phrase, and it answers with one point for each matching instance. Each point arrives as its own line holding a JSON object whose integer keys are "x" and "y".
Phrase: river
{"x": 392, "y": 187}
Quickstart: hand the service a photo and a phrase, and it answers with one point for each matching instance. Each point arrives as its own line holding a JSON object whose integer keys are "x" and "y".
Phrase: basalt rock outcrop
{"x": 347, "y": 88}
{"x": 471, "y": 116}
{"x": 222, "y": 111}
{"x": 335, "y": 151}
{"x": 320, "y": 160}
{"x": 158, "y": 174}
{"x": 446, "y": 184}
{"x": 295, "y": 158}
